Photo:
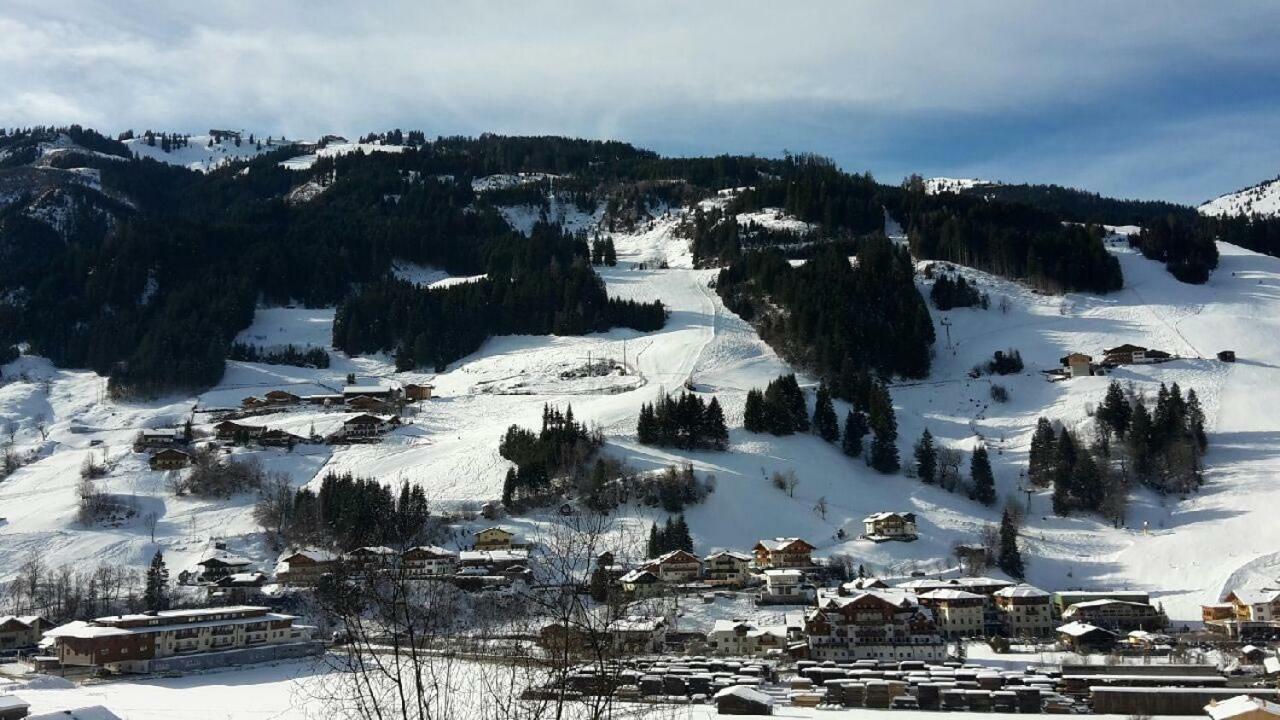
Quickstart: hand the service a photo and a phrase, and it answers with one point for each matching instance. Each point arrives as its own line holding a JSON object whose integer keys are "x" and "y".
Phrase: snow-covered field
{"x": 202, "y": 154}
{"x": 1185, "y": 552}
{"x": 304, "y": 162}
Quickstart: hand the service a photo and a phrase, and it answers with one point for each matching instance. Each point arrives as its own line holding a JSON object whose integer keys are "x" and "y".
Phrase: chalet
{"x": 885, "y": 526}
{"x": 785, "y": 586}
{"x": 1025, "y": 611}
{"x": 13, "y": 708}
{"x": 727, "y": 568}
{"x": 281, "y": 397}
{"x": 745, "y": 637}
{"x": 429, "y": 561}
{"x": 1084, "y": 638}
{"x": 238, "y": 588}
{"x": 232, "y": 430}
{"x": 170, "y": 459}
{"x": 150, "y": 439}
{"x": 1127, "y": 354}
{"x": 305, "y": 567}
{"x": 638, "y": 634}
{"x": 641, "y": 583}
{"x": 875, "y": 626}
{"x": 1252, "y": 605}
{"x": 1078, "y": 364}
{"x": 279, "y": 438}
{"x": 493, "y": 560}
{"x": 1243, "y": 707}
{"x": 494, "y": 538}
{"x": 1245, "y": 614}
{"x": 218, "y": 563}
{"x": 323, "y": 399}
{"x": 784, "y": 553}
{"x": 130, "y": 643}
{"x": 958, "y": 613}
{"x": 363, "y": 427}
{"x": 21, "y": 631}
{"x": 370, "y": 557}
{"x": 367, "y": 404}
{"x": 416, "y": 391}
{"x": 677, "y": 566}
{"x": 1117, "y": 615}
{"x": 378, "y": 392}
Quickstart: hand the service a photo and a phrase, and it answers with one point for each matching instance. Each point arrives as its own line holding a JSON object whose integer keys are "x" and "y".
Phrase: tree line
{"x": 686, "y": 422}
{"x": 314, "y": 357}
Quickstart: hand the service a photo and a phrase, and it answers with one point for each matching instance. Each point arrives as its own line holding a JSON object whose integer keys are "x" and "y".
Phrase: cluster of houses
{"x": 363, "y": 398}
{"x": 867, "y": 618}
{"x": 359, "y": 428}
{"x": 1082, "y": 365}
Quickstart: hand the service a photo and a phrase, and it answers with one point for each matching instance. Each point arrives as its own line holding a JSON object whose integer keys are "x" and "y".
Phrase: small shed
{"x": 1227, "y": 355}
{"x": 1243, "y": 707}
{"x": 743, "y": 700}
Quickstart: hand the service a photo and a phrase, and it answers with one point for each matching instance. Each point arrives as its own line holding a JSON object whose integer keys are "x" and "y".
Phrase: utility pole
{"x": 946, "y": 323}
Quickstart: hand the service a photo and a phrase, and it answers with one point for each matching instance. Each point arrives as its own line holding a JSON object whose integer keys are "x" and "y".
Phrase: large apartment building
{"x": 129, "y": 643}
{"x": 873, "y": 626}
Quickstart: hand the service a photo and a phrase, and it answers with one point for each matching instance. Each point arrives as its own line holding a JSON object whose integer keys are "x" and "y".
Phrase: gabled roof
{"x": 949, "y": 594}
{"x": 312, "y": 555}
{"x": 886, "y": 514}
{"x": 639, "y": 576}
{"x": 373, "y": 550}
{"x": 1020, "y": 591}
{"x": 1255, "y": 596}
{"x": 1079, "y": 629}
{"x": 780, "y": 544}
{"x": 1102, "y": 603}
{"x": 433, "y": 550}
{"x": 683, "y": 556}
{"x": 730, "y": 554}
{"x": 1125, "y": 348}
{"x": 1240, "y": 705}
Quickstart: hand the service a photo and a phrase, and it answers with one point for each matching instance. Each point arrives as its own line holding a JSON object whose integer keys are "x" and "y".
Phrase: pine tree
{"x": 714, "y": 431}
{"x": 1010, "y": 557}
{"x": 1139, "y": 443}
{"x": 1195, "y": 420}
{"x": 646, "y": 426}
{"x": 654, "y": 547}
{"x": 1086, "y": 483}
{"x": 825, "y": 422}
{"x": 1115, "y": 411}
{"x": 926, "y": 458}
{"x": 610, "y": 255}
{"x": 884, "y": 428}
{"x": 1041, "y": 458}
{"x": 1064, "y": 460}
{"x": 855, "y": 428}
{"x": 984, "y": 484}
{"x": 682, "y": 539}
{"x": 753, "y": 414}
{"x": 509, "y": 488}
{"x": 156, "y": 594}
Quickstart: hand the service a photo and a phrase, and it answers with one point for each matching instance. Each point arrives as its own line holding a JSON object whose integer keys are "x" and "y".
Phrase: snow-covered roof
{"x": 373, "y": 550}
{"x": 493, "y": 555}
{"x": 743, "y": 692}
{"x": 366, "y": 389}
{"x": 728, "y": 553}
{"x": 1102, "y": 603}
{"x": 886, "y": 514}
{"x": 27, "y": 620}
{"x": 311, "y": 554}
{"x": 1240, "y": 705}
{"x": 11, "y": 702}
{"x": 782, "y": 573}
{"x": 222, "y": 557}
{"x": 778, "y": 544}
{"x": 637, "y": 576}
{"x": 1256, "y": 596}
{"x": 433, "y": 550}
{"x": 950, "y": 594}
{"x": 1021, "y": 591}
{"x": 1077, "y": 629}
{"x": 637, "y": 623}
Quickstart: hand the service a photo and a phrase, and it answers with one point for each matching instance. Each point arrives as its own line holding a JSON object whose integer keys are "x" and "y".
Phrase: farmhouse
{"x": 744, "y": 637}
{"x": 638, "y": 634}
{"x": 21, "y": 631}
{"x": 885, "y": 526}
{"x": 131, "y": 643}
{"x": 238, "y": 588}
{"x": 494, "y": 538}
{"x": 784, "y": 553}
{"x": 416, "y": 391}
{"x": 377, "y": 392}
{"x": 364, "y": 403}
{"x": 363, "y": 427}
{"x": 727, "y": 568}
{"x": 429, "y": 561}
{"x": 157, "y": 438}
{"x": 305, "y": 567}
{"x": 641, "y": 583}
{"x": 232, "y": 430}
{"x": 1062, "y": 599}
{"x": 169, "y": 459}
{"x": 279, "y": 438}
{"x": 218, "y": 563}
{"x": 785, "y": 586}
{"x": 1085, "y": 638}
{"x": 677, "y": 566}
{"x": 1078, "y": 364}
{"x": 281, "y": 397}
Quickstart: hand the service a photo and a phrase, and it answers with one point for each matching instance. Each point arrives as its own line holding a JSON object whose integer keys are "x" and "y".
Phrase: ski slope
{"x": 1261, "y": 199}
{"x": 202, "y": 154}
{"x": 1185, "y": 552}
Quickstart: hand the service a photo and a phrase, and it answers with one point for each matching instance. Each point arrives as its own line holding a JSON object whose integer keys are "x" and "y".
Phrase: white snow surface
{"x": 1185, "y": 552}
{"x": 1261, "y": 199}
{"x": 304, "y": 162}
{"x": 199, "y": 154}
{"x": 936, "y": 185}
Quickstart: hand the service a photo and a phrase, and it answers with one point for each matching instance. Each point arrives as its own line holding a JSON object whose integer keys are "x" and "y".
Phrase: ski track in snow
{"x": 1186, "y": 552}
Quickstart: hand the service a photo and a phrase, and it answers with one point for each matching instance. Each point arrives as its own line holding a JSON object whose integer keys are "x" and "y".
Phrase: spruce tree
{"x": 610, "y": 253}
{"x": 825, "y": 422}
{"x": 753, "y": 419}
{"x": 509, "y": 488}
{"x": 884, "y": 427}
{"x": 156, "y": 594}
{"x": 1139, "y": 443}
{"x": 1195, "y": 420}
{"x": 1115, "y": 411}
{"x": 984, "y": 483}
{"x": 1041, "y": 458}
{"x": 926, "y": 458}
{"x": 653, "y": 548}
{"x": 855, "y": 428}
{"x": 714, "y": 431}
{"x": 1086, "y": 483}
{"x": 1010, "y": 558}
{"x": 1064, "y": 460}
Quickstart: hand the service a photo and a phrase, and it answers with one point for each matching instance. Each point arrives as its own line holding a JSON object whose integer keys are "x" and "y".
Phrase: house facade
{"x": 21, "y": 631}
{"x": 745, "y": 637}
{"x": 675, "y": 567}
{"x": 727, "y": 568}
{"x": 1025, "y": 611}
{"x": 304, "y": 568}
{"x": 883, "y": 526}
{"x": 783, "y": 553}
{"x": 1116, "y": 615}
{"x": 494, "y": 538}
{"x": 873, "y": 626}
{"x": 957, "y": 613}
{"x": 428, "y": 561}
{"x": 785, "y": 586}
{"x": 169, "y": 459}
{"x": 128, "y": 643}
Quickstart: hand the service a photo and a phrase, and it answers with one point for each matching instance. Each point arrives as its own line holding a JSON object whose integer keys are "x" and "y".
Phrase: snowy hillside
{"x": 1184, "y": 552}
{"x": 203, "y": 153}
{"x": 304, "y": 162}
{"x": 936, "y": 185}
{"x": 1261, "y": 199}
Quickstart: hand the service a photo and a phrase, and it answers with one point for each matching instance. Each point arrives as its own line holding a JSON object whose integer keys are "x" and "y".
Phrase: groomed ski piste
{"x": 1185, "y": 551}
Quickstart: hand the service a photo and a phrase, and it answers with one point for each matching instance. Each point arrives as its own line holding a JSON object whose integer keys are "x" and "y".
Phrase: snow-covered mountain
{"x": 1261, "y": 199}
{"x": 936, "y": 185}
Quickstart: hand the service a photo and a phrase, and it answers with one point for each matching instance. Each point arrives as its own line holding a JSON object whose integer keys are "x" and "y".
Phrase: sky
{"x": 1154, "y": 99}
